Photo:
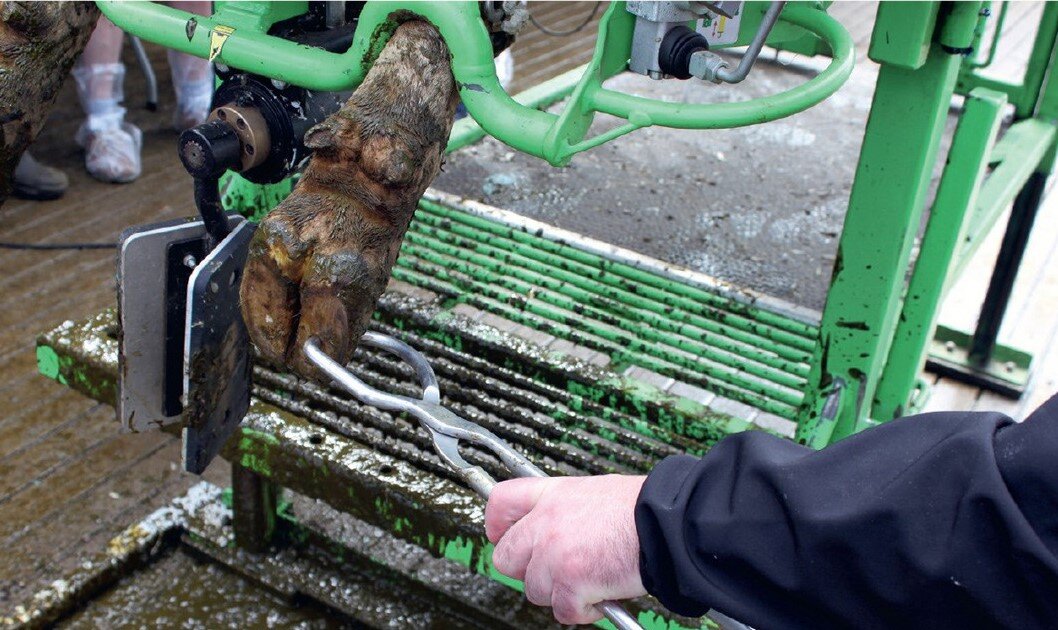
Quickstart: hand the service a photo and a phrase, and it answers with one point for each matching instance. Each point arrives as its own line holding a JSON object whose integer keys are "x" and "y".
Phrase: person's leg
{"x": 112, "y": 146}
{"x": 192, "y": 77}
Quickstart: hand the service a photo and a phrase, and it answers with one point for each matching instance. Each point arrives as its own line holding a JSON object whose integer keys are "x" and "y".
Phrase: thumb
{"x": 508, "y": 502}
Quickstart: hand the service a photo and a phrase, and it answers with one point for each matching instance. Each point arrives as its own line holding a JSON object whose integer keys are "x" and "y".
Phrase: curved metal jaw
{"x": 445, "y": 428}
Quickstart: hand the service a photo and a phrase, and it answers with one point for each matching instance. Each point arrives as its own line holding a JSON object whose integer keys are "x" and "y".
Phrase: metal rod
{"x": 756, "y": 394}
{"x": 254, "y": 509}
{"x": 207, "y": 199}
{"x": 1005, "y": 273}
{"x": 650, "y": 282}
{"x": 148, "y": 72}
{"x": 474, "y": 397}
{"x": 567, "y": 290}
{"x": 746, "y": 63}
{"x": 559, "y": 403}
{"x": 776, "y": 311}
{"x": 622, "y": 330}
{"x": 997, "y": 31}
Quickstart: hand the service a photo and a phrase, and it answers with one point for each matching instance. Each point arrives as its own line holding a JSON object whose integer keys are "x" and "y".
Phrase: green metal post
{"x": 1019, "y": 226}
{"x": 254, "y": 502}
{"x": 896, "y": 161}
{"x": 1000, "y": 287}
{"x": 1024, "y": 94}
{"x": 957, "y": 194}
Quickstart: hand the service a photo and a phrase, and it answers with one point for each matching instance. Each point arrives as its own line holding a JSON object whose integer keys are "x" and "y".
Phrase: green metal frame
{"x": 1025, "y": 93}
{"x": 859, "y": 366}
{"x": 243, "y": 43}
{"x": 878, "y": 327}
{"x": 396, "y": 490}
{"x": 878, "y": 324}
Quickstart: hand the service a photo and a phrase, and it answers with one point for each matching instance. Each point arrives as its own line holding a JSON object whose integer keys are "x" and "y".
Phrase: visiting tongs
{"x": 445, "y": 428}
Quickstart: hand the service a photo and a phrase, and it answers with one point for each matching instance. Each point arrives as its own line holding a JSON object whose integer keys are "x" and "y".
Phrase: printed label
{"x": 719, "y": 30}
{"x": 217, "y": 37}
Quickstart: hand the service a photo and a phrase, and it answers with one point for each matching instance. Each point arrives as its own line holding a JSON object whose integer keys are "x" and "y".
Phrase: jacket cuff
{"x": 659, "y": 516}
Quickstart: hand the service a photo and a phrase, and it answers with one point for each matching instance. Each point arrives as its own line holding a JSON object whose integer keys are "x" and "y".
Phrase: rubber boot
{"x": 112, "y": 145}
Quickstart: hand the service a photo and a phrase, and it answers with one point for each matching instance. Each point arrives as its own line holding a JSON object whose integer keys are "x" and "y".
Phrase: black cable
{"x": 572, "y": 31}
{"x": 54, "y": 246}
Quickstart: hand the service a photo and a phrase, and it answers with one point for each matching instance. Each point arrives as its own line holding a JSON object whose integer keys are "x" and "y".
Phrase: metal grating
{"x": 718, "y": 339}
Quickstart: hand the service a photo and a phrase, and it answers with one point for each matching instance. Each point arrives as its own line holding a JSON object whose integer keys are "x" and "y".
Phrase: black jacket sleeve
{"x": 942, "y": 520}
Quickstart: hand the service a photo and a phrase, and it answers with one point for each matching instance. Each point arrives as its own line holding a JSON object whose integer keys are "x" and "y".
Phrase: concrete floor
{"x": 760, "y": 206}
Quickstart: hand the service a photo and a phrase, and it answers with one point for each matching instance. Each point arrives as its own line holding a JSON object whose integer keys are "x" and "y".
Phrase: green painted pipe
{"x": 642, "y": 111}
{"x": 499, "y": 261}
{"x": 482, "y": 270}
{"x": 600, "y": 276}
{"x": 775, "y": 327}
{"x": 494, "y": 300}
{"x": 555, "y": 138}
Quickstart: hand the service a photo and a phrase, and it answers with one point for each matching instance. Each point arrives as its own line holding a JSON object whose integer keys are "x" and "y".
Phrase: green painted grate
{"x": 715, "y": 338}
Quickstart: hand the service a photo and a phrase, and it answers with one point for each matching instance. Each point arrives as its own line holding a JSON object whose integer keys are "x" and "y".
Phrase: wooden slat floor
{"x": 69, "y": 481}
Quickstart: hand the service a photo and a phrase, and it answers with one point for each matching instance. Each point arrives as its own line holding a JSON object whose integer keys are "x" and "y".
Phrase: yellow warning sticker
{"x": 217, "y": 37}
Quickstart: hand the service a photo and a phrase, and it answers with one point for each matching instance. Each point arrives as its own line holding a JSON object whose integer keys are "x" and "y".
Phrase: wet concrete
{"x": 759, "y": 206}
{"x": 185, "y": 592}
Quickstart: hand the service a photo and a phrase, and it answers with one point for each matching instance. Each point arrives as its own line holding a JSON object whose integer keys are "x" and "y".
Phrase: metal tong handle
{"x": 431, "y": 396}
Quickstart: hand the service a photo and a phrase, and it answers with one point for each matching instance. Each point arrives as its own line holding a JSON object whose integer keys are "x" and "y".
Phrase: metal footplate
{"x": 217, "y": 368}
{"x": 168, "y": 286}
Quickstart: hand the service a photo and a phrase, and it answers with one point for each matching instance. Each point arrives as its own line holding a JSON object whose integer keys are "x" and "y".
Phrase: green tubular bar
{"x": 545, "y": 135}
{"x": 585, "y": 277}
{"x": 642, "y": 112}
{"x": 781, "y": 330}
{"x": 975, "y": 62}
{"x": 496, "y": 301}
{"x": 623, "y": 348}
{"x": 568, "y": 410}
{"x": 1024, "y": 94}
{"x": 1024, "y": 147}
{"x": 621, "y": 330}
{"x": 562, "y": 289}
{"x": 485, "y": 269}
{"x": 956, "y": 196}
{"x": 556, "y": 288}
{"x": 467, "y": 131}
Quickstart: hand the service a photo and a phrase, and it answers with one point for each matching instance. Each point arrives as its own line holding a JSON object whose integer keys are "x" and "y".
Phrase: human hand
{"x": 572, "y": 540}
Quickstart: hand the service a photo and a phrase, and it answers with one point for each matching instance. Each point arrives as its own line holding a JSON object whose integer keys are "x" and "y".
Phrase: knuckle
{"x": 536, "y": 593}
{"x": 565, "y": 605}
{"x": 501, "y": 557}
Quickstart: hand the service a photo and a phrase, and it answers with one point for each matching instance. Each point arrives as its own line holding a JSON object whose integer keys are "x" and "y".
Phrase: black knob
{"x": 210, "y": 149}
{"x": 674, "y": 55}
